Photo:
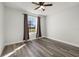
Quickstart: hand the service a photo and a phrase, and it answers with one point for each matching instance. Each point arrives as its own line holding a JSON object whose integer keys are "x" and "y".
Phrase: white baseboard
{"x": 64, "y": 41}
{"x": 21, "y": 41}
{"x": 13, "y": 42}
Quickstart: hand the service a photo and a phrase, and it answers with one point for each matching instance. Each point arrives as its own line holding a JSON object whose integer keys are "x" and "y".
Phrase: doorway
{"x": 32, "y": 24}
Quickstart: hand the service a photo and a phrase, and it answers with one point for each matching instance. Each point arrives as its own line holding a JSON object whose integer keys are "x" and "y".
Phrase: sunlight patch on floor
{"x": 7, "y": 55}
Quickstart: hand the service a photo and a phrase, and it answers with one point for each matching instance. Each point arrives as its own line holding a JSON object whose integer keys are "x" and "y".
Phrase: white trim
{"x": 64, "y": 41}
{"x": 13, "y": 43}
{"x": 22, "y": 41}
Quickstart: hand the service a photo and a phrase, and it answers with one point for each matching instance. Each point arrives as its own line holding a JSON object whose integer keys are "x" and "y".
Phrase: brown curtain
{"x": 38, "y": 34}
{"x": 26, "y": 28}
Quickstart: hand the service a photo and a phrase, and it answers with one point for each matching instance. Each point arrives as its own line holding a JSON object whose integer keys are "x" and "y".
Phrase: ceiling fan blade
{"x": 37, "y": 8}
{"x": 41, "y": 3}
{"x": 48, "y": 4}
{"x": 35, "y": 3}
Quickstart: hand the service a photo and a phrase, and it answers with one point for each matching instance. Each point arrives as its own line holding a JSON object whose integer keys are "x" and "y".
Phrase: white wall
{"x": 43, "y": 26}
{"x": 14, "y": 25}
{"x": 64, "y": 25}
{"x": 1, "y": 28}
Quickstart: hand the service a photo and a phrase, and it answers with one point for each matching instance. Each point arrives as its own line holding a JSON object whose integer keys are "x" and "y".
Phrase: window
{"x": 32, "y": 23}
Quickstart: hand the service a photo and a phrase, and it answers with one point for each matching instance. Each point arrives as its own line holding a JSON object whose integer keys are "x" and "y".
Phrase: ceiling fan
{"x": 41, "y": 5}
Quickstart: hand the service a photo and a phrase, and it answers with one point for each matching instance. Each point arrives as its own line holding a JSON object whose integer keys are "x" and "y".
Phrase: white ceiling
{"x": 28, "y": 6}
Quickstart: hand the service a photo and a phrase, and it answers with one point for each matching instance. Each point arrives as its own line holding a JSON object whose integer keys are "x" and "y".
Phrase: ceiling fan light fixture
{"x": 42, "y": 7}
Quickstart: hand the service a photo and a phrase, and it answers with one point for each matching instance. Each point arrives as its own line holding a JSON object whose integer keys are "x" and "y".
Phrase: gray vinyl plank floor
{"x": 42, "y": 48}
